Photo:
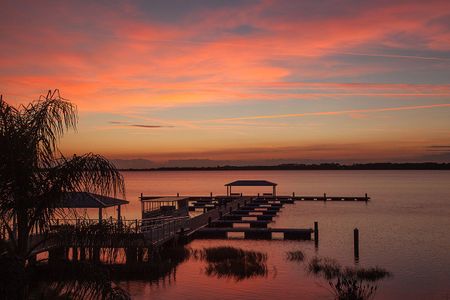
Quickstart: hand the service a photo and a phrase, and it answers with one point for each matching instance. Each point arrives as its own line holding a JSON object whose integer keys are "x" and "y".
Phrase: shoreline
{"x": 309, "y": 167}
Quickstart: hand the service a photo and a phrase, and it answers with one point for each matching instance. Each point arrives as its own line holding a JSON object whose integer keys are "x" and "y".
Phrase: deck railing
{"x": 158, "y": 230}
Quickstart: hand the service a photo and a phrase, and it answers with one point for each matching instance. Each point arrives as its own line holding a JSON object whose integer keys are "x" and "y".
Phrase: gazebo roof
{"x": 89, "y": 200}
{"x": 251, "y": 183}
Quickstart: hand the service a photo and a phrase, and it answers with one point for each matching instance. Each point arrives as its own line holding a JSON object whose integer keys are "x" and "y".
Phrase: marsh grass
{"x": 230, "y": 262}
{"x": 349, "y": 283}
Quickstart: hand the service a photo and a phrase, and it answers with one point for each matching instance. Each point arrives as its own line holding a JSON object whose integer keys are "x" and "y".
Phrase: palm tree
{"x": 34, "y": 174}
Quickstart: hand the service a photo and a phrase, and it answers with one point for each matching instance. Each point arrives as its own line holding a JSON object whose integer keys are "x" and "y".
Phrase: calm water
{"x": 405, "y": 229}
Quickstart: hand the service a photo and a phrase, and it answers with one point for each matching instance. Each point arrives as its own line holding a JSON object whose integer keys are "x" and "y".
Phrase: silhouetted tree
{"x": 34, "y": 175}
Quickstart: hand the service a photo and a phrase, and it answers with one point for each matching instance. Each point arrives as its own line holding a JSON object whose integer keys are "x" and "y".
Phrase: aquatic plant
{"x": 349, "y": 283}
{"x": 233, "y": 262}
{"x": 296, "y": 255}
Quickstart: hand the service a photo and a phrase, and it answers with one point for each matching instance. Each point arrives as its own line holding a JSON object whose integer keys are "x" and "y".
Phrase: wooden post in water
{"x": 119, "y": 215}
{"x": 293, "y": 194}
{"x": 142, "y": 205}
{"x": 82, "y": 253}
{"x": 356, "y": 243}
{"x": 367, "y": 198}
{"x": 75, "y": 253}
{"x": 324, "y": 196}
{"x": 130, "y": 255}
{"x": 178, "y": 194}
{"x": 96, "y": 254}
{"x": 316, "y": 233}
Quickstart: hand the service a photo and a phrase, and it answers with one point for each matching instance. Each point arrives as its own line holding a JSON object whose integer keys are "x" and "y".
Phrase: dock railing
{"x": 158, "y": 230}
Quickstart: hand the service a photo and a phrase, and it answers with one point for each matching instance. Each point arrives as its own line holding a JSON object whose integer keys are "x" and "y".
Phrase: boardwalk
{"x": 209, "y": 217}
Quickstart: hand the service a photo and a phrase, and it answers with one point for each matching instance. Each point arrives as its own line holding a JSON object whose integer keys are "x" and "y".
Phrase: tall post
{"x": 356, "y": 243}
{"x": 274, "y": 190}
{"x": 367, "y": 198}
{"x": 142, "y": 205}
{"x": 316, "y": 233}
{"x": 100, "y": 215}
{"x": 324, "y": 196}
{"x": 82, "y": 253}
{"x": 119, "y": 216}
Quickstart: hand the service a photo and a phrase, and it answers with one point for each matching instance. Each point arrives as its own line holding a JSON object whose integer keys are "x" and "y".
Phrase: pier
{"x": 172, "y": 219}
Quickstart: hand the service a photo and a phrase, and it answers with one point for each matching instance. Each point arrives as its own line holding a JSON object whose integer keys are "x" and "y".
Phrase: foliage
{"x": 34, "y": 175}
{"x": 348, "y": 283}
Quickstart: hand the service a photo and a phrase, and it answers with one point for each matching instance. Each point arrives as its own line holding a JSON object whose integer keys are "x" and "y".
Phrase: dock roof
{"x": 89, "y": 200}
{"x": 251, "y": 183}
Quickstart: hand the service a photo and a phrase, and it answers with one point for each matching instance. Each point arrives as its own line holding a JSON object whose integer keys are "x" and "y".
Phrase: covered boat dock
{"x": 248, "y": 183}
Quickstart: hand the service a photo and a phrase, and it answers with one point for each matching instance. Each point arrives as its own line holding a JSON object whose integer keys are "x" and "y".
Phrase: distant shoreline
{"x": 308, "y": 167}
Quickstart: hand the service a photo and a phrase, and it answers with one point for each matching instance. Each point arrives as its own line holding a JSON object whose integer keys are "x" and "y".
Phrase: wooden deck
{"x": 255, "y": 233}
{"x": 221, "y": 215}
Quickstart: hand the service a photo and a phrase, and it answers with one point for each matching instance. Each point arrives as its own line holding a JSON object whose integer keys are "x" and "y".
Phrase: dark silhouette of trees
{"x": 34, "y": 174}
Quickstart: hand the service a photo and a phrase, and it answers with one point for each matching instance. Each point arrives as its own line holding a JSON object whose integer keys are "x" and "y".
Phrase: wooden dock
{"x": 256, "y": 233}
{"x": 166, "y": 219}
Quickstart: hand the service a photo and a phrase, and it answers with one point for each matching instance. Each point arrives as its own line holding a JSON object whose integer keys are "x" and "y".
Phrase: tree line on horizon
{"x": 323, "y": 166}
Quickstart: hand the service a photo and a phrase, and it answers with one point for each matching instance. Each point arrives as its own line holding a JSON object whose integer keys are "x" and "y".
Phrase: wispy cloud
{"x": 122, "y": 124}
{"x": 439, "y": 148}
{"x": 332, "y": 113}
{"x": 149, "y": 126}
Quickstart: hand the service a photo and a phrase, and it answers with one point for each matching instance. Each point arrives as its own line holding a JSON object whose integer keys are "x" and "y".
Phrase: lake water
{"x": 404, "y": 229}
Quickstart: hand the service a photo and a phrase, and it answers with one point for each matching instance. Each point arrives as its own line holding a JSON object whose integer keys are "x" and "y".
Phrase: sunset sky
{"x": 254, "y": 81}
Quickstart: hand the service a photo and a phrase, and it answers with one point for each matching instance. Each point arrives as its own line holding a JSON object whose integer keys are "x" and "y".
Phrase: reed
{"x": 349, "y": 283}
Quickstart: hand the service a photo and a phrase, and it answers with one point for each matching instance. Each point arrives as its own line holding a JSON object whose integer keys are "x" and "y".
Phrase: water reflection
{"x": 90, "y": 279}
{"x": 230, "y": 262}
{"x": 296, "y": 255}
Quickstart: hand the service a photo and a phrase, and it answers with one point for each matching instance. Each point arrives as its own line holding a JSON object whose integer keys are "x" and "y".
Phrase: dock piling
{"x": 356, "y": 243}
{"x": 316, "y": 233}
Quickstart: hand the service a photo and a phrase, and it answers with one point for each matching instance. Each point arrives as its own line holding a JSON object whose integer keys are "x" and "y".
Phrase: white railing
{"x": 160, "y": 229}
